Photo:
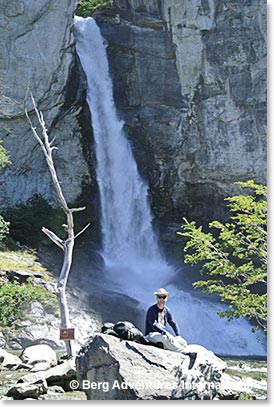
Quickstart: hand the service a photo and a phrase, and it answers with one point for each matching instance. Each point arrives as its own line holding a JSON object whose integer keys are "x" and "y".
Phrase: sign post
{"x": 66, "y": 334}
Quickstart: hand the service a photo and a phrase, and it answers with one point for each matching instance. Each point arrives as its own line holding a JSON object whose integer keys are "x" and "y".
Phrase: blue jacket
{"x": 152, "y": 321}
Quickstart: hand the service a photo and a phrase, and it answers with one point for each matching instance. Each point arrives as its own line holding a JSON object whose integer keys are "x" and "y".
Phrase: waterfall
{"x": 133, "y": 259}
{"x": 129, "y": 243}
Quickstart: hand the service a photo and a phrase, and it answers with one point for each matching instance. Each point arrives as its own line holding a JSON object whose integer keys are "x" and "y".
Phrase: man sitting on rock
{"x": 158, "y": 315}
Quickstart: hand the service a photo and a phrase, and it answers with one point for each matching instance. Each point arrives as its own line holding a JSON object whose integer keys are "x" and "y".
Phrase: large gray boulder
{"x": 114, "y": 369}
{"x": 38, "y": 354}
{"x": 60, "y": 375}
{"x": 28, "y": 390}
{"x": 8, "y": 360}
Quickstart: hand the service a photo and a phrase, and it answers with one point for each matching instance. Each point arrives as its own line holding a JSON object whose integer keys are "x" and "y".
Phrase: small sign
{"x": 66, "y": 334}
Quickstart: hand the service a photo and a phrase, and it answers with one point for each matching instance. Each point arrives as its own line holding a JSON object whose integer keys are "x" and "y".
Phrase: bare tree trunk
{"x": 68, "y": 244}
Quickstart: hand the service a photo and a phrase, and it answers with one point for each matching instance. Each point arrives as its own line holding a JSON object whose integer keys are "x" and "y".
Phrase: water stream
{"x": 134, "y": 262}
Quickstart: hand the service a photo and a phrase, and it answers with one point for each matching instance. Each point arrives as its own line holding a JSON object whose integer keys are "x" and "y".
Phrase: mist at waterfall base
{"x": 134, "y": 262}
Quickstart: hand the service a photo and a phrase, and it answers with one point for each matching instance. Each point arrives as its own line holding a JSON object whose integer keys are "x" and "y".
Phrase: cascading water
{"x": 129, "y": 244}
{"x": 133, "y": 259}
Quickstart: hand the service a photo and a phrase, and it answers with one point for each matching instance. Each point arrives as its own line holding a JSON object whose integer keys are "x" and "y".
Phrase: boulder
{"x": 60, "y": 375}
{"x": 56, "y": 389}
{"x": 8, "y": 360}
{"x": 21, "y": 276}
{"x": 114, "y": 369}
{"x": 28, "y": 390}
{"x": 39, "y": 354}
{"x": 40, "y": 366}
{"x": 205, "y": 361}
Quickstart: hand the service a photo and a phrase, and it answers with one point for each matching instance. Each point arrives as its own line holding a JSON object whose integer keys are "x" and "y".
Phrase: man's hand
{"x": 170, "y": 337}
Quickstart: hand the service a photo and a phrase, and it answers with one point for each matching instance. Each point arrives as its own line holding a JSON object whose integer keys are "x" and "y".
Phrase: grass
{"x": 16, "y": 298}
{"x": 252, "y": 373}
{"x": 247, "y": 374}
{"x": 23, "y": 260}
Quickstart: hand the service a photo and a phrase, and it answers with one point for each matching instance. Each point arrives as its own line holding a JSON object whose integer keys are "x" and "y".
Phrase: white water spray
{"x": 132, "y": 255}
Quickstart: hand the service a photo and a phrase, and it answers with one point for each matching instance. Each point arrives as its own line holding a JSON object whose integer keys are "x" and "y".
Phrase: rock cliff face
{"x": 190, "y": 83}
{"x": 37, "y": 51}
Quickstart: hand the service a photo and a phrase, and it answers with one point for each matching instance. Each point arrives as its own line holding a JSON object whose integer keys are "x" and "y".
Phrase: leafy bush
{"x": 4, "y": 228}
{"x": 235, "y": 255}
{"x": 87, "y": 7}
{"x": 4, "y": 159}
{"x": 16, "y": 299}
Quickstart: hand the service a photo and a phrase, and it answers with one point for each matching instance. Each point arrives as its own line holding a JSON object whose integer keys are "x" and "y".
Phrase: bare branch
{"x": 47, "y": 150}
{"x": 78, "y": 234}
{"x": 77, "y": 209}
{"x": 59, "y": 242}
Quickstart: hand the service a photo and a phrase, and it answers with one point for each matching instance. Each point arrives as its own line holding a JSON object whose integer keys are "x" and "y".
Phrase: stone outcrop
{"x": 33, "y": 355}
{"x": 60, "y": 375}
{"x": 43, "y": 382}
{"x": 37, "y": 52}
{"x": 8, "y": 360}
{"x": 190, "y": 83}
{"x": 29, "y": 390}
{"x": 41, "y": 327}
{"x": 112, "y": 369}
{"x": 107, "y": 362}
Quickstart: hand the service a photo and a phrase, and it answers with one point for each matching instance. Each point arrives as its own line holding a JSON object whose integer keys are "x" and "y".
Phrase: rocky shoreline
{"x": 34, "y": 378}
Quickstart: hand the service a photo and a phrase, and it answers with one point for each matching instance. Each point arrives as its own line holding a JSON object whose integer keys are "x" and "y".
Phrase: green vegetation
{"x": 24, "y": 260}
{"x": 27, "y": 219}
{"x": 235, "y": 255}
{"x": 4, "y": 161}
{"x": 87, "y": 7}
{"x": 4, "y": 229}
{"x": 15, "y": 298}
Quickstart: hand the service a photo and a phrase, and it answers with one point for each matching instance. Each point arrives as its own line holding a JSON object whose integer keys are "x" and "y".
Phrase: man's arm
{"x": 172, "y": 323}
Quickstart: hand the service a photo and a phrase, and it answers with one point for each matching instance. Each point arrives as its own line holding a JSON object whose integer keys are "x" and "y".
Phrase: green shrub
{"x": 16, "y": 299}
{"x": 4, "y": 228}
{"x": 87, "y": 7}
{"x": 4, "y": 158}
{"x": 235, "y": 255}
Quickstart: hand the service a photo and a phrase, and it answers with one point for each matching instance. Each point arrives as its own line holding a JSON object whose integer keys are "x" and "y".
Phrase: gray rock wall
{"x": 190, "y": 83}
{"x": 37, "y": 51}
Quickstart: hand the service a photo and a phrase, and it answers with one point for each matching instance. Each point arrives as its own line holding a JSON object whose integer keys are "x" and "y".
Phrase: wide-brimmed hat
{"x": 161, "y": 291}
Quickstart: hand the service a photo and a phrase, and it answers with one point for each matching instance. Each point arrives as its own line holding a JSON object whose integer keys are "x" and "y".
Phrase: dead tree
{"x": 67, "y": 244}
